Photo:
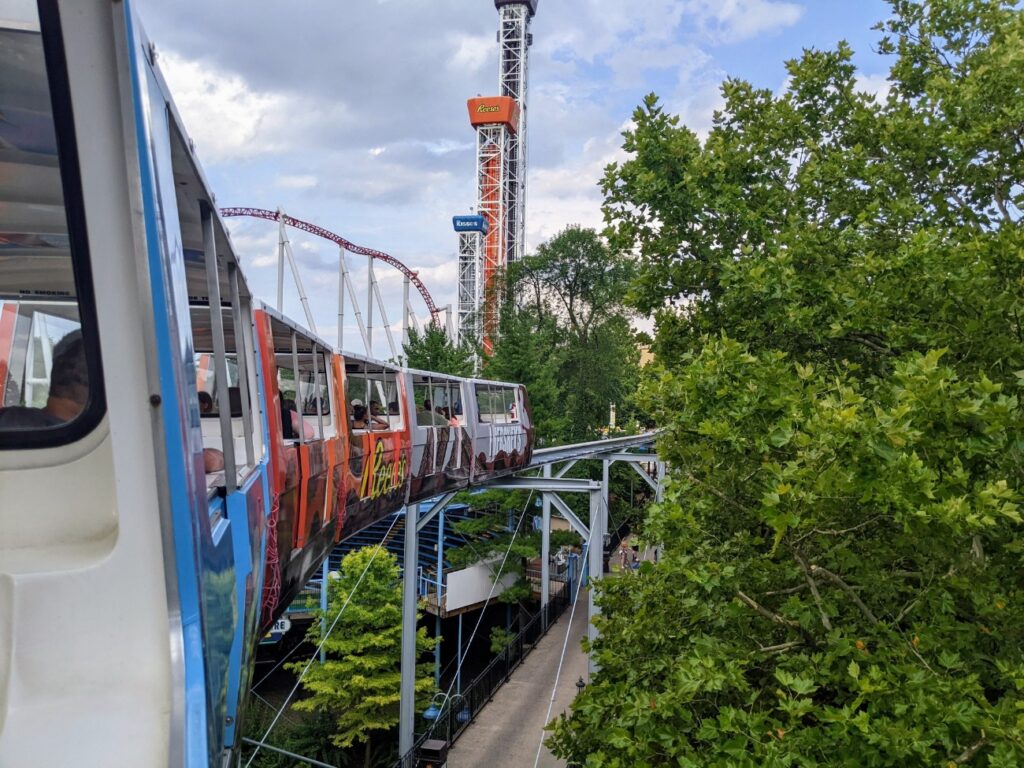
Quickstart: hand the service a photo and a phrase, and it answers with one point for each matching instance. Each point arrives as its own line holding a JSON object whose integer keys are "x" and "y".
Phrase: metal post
{"x": 325, "y": 573}
{"x": 282, "y": 238}
{"x": 605, "y": 465}
{"x": 440, "y": 555}
{"x": 407, "y": 704}
{"x": 405, "y": 313}
{"x": 298, "y": 284}
{"x": 383, "y": 314}
{"x": 596, "y": 557}
{"x": 295, "y": 381}
{"x": 437, "y": 649}
{"x": 660, "y": 494}
{"x": 219, "y": 354}
{"x": 341, "y": 298}
{"x": 545, "y": 553}
{"x": 369, "y": 305}
{"x": 458, "y": 667}
{"x": 355, "y": 303}
{"x": 241, "y": 332}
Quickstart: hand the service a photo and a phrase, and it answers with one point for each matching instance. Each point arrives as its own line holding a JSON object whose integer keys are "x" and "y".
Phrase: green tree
{"x": 837, "y": 282}
{"x": 358, "y": 686}
{"x": 432, "y": 350}
{"x": 566, "y": 335}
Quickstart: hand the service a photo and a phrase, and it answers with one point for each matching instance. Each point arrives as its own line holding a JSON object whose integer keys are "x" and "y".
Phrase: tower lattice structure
{"x": 501, "y": 164}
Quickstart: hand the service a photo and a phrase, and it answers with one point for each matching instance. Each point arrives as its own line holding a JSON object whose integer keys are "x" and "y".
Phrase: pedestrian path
{"x": 509, "y": 729}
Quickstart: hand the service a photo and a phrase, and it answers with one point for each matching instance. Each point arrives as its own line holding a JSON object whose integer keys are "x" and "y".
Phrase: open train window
{"x": 371, "y": 391}
{"x": 51, "y": 387}
{"x": 496, "y": 404}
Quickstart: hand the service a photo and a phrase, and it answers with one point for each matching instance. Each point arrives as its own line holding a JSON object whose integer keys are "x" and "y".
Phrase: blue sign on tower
{"x": 470, "y": 224}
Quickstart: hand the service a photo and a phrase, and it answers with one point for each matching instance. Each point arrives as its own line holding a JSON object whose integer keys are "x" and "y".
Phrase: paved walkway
{"x": 508, "y": 731}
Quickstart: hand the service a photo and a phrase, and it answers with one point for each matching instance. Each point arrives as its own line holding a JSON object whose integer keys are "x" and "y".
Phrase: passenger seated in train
{"x": 431, "y": 417}
{"x": 69, "y": 389}
{"x": 205, "y": 403}
{"x": 290, "y": 420}
{"x": 361, "y": 419}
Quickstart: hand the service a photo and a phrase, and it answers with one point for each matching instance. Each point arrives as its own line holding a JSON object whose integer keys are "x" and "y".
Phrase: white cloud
{"x": 470, "y": 53}
{"x": 733, "y": 21}
{"x": 297, "y": 181}
{"x": 226, "y": 118}
{"x": 876, "y": 85}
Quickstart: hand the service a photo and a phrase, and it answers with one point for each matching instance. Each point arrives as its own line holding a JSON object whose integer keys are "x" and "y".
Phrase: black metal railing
{"x": 461, "y": 709}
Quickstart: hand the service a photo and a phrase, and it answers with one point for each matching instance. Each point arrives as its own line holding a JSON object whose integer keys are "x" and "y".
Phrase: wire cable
{"x": 494, "y": 583}
{"x": 288, "y": 655}
{"x": 323, "y": 640}
{"x": 565, "y": 645}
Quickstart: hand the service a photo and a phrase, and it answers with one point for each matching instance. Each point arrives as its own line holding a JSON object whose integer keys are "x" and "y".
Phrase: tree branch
{"x": 770, "y": 615}
{"x": 829, "y": 532}
{"x": 780, "y": 648}
{"x": 814, "y": 591}
{"x": 817, "y": 569}
{"x": 717, "y": 493}
{"x": 968, "y": 754}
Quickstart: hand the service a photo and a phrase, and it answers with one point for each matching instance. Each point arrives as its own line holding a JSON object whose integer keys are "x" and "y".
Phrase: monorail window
{"x": 51, "y": 389}
{"x": 438, "y": 401}
{"x": 496, "y": 404}
{"x": 299, "y": 395}
{"x": 371, "y": 392}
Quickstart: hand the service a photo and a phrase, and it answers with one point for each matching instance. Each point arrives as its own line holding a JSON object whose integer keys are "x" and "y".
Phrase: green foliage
{"x": 838, "y": 284}
{"x": 500, "y": 639}
{"x": 432, "y": 350}
{"x": 358, "y": 686}
{"x": 568, "y": 337}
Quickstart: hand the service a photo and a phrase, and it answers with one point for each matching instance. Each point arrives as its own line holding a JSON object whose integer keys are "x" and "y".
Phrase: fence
{"x": 461, "y": 709}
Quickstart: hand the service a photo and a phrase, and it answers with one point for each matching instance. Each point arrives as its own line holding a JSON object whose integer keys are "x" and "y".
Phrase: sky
{"x": 352, "y": 114}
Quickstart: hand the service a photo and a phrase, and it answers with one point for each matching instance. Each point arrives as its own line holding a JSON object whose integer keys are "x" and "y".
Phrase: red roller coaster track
{"x": 313, "y": 229}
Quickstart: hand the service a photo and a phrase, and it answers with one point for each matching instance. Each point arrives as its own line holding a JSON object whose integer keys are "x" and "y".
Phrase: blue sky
{"x": 352, "y": 114}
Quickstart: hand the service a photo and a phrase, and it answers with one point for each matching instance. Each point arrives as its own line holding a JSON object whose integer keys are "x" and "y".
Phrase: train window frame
{"x": 69, "y": 169}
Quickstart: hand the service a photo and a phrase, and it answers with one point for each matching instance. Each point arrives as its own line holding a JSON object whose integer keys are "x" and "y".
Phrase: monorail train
{"x": 175, "y": 458}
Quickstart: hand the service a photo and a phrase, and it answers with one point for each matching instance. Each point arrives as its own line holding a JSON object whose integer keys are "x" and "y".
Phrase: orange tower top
{"x": 493, "y": 110}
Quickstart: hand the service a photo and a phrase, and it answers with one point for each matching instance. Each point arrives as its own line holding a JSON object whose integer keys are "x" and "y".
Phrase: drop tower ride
{"x": 494, "y": 238}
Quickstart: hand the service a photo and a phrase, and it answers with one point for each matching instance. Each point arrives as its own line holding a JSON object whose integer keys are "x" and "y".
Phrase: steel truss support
{"x": 414, "y": 523}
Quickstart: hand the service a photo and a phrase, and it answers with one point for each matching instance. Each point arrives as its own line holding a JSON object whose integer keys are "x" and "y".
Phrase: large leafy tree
{"x": 838, "y": 284}
{"x": 565, "y": 333}
{"x": 358, "y": 686}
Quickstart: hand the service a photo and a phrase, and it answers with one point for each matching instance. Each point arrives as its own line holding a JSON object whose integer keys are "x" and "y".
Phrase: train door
{"x": 378, "y": 478}
{"x": 304, "y": 437}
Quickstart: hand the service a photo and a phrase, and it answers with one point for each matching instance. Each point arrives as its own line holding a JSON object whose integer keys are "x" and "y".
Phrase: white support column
{"x": 407, "y": 704}
{"x": 448, "y": 321}
{"x": 545, "y": 552}
{"x": 282, "y": 241}
{"x": 405, "y": 313}
{"x": 604, "y": 494}
{"x": 355, "y": 304}
{"x": 383, "y": 313}
{"x": 342, "y": 276}
{"x": 595, "y": 566}
{"x": 298, "y": 284}
{"x": 660, "y": 494}
{"x": 369, "y": 306}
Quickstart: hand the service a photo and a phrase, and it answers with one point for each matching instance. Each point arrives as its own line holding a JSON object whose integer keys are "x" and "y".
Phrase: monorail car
{"x": 176, "y": 459}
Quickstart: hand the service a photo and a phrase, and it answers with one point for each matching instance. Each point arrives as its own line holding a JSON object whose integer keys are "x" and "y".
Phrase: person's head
{"x": 393, "y": 408}
{"x": 359, "y": 412}
{"x": 375, "y": 408}
{"x": 427, "y": 405}
{"x": 69, "y": 378}
{"x": 205, "y": 402}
